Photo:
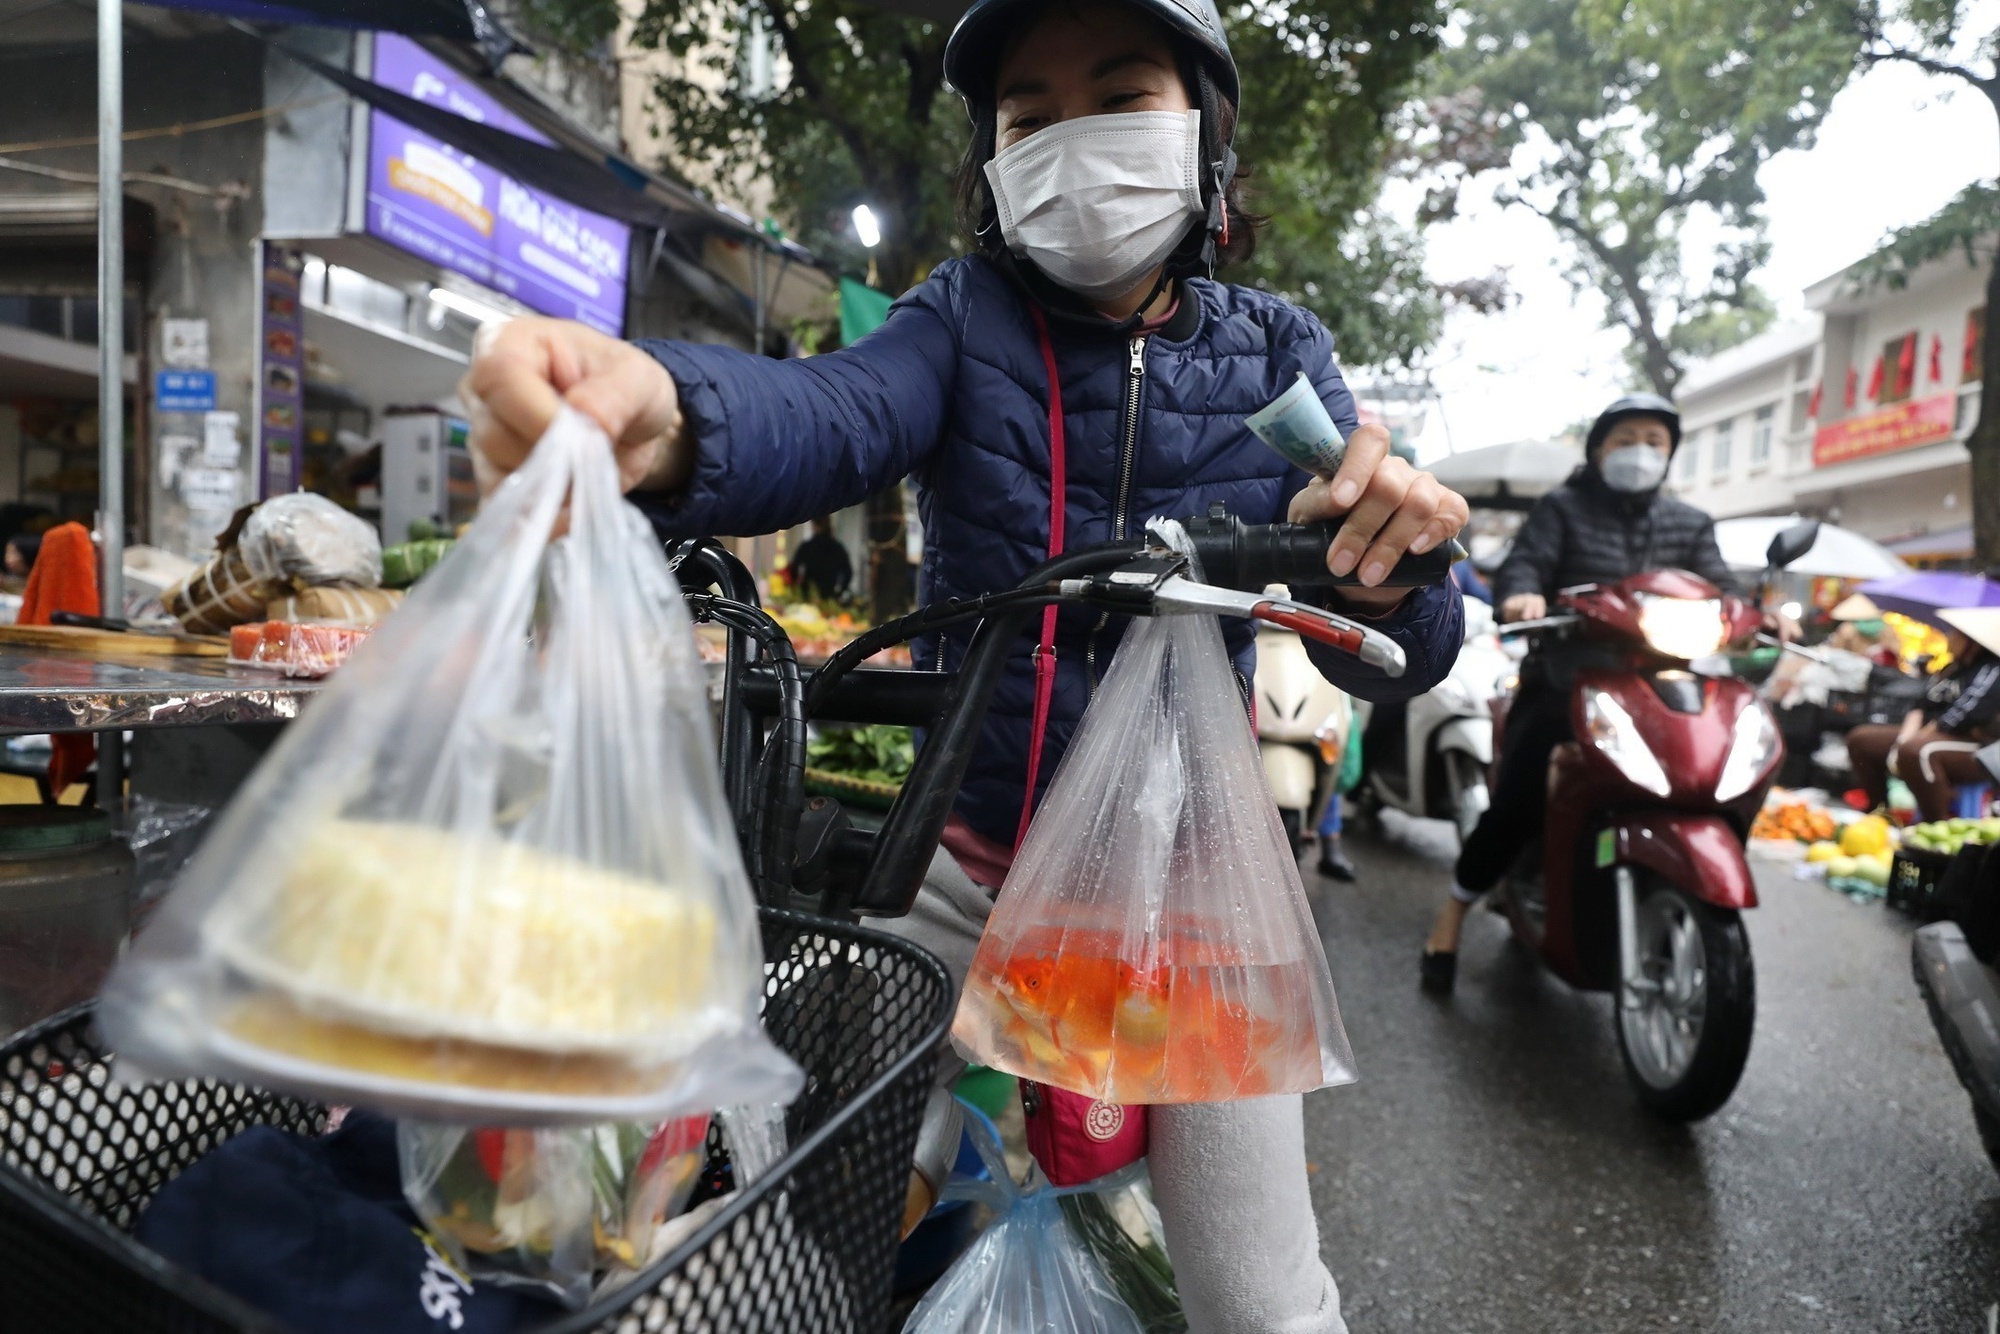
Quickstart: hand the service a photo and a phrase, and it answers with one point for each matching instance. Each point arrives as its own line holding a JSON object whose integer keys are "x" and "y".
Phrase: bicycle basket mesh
{"x": 807, "y": 1248}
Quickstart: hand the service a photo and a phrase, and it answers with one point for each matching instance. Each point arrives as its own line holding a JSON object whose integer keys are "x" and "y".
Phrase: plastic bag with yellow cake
{"x": 488, "y": 876}
{"x": 1152, "y": 943}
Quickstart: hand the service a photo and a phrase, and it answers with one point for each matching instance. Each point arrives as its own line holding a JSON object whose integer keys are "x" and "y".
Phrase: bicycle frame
{"x": 852, "y": 872}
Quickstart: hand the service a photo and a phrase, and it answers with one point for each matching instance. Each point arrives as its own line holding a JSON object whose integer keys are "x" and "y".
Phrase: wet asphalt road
{"x": 1492, "y": 1172}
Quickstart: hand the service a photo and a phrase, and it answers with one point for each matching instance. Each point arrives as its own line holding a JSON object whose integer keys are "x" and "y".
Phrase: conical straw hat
{"x": 1856, "y": 607}
{"x": 1980, "y": 624}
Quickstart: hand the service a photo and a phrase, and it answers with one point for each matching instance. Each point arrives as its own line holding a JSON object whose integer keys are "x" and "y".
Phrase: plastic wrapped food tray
{"x": 292, "y": 649}
{"x": 809, "y": 1247}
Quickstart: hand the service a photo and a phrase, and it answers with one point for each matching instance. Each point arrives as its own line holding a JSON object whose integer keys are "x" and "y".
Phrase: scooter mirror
{"x": 1792, "y": 543}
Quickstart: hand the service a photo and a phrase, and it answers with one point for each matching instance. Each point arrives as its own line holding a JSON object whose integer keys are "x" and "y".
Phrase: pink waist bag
{"x": 1077, "y": 1138}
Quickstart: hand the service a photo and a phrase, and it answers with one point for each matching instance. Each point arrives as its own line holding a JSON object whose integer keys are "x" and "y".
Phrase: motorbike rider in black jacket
{"x": 1608, "y": 521}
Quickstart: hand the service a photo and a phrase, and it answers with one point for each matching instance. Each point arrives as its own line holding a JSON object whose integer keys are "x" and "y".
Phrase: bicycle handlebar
{"x": 1231, "y": 554}
{"x": 1250, "y": 556}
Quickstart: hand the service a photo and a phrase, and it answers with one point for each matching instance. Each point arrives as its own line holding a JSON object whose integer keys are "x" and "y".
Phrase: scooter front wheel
{"x": 1684, "y": 1025}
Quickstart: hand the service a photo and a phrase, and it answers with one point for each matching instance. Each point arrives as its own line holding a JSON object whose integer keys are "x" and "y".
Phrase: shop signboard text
{"x": 184, "y": 391}
{"x": 1923, "y": 422}
{"x": 426, "y": 197}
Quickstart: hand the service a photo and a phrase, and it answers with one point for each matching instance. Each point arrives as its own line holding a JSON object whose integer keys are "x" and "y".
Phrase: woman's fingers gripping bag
{"x": 1152, "y": 943}
{"x": 488, "y": 876}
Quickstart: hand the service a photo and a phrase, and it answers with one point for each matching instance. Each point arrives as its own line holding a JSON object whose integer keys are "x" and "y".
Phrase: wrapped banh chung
{"x": 488, "y": 876}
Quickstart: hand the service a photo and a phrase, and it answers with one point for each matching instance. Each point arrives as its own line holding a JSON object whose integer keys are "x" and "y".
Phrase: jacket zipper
{"x": 1134, "y": 391}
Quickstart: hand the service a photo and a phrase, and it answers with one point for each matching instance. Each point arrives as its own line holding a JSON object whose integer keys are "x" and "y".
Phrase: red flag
{"x": 1852, "y": 381}
{"x": 1875, "y": 382}
{"x": 1906, "y": 366}
{"x": 1812, "y": 404}
{"x": 1937, "y": 359}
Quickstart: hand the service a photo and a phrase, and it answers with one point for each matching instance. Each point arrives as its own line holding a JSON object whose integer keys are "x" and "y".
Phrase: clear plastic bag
{"x": 489, "y": 877}
{"x": 1031, "y": 1270}
{"x": 1152, "y": 943}
{"x": 302, "y": 538}
{"x": 550, "y": 1207}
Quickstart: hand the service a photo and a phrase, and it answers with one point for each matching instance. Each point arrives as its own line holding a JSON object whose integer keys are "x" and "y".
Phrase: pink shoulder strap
{"x": 1045, "y": 651}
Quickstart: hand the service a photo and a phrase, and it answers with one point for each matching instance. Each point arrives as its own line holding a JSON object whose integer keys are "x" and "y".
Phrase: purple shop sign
{"x": 428, "y": 198}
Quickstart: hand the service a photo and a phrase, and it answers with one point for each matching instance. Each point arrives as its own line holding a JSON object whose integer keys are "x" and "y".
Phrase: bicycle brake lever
{"x": 1177, "y": 596}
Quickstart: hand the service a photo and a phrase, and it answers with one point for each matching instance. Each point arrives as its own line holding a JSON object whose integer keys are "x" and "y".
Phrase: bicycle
{"x": 810, "y": 1245}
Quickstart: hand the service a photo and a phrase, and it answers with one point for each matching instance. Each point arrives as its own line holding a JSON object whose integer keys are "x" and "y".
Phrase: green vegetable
{"x": 1137, "y": 1266}
{"x": 405, "y": 564}
{"x": 878, "y": 753}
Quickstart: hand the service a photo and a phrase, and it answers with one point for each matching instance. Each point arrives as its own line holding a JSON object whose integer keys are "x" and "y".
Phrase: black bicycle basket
{"x": 809, "y": 1247}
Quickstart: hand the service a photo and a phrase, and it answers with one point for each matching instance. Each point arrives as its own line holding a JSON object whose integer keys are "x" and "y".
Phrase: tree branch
{"x": 1931, "y": 66}
{"x": 810, "y": 84}
{"x": 1659, "y": 359}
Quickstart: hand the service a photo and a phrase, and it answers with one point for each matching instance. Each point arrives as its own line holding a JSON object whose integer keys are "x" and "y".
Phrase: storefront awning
{"x": 603, "y": 182}
{"x": 460, "y": 20}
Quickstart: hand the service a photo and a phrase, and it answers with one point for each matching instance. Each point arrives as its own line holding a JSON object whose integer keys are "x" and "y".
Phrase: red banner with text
{"x": 1923, "y": 422}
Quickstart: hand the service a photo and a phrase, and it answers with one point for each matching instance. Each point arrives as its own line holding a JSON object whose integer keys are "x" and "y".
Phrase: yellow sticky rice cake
{"x": 424, "y": 933}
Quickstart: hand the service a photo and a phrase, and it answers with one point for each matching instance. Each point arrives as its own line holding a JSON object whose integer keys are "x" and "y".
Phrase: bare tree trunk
{"x": 1984, "y": 442}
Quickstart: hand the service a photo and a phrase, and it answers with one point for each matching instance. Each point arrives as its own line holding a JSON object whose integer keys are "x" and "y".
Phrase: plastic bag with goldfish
{"x": 550, "y": 1207}
{"x": 1152, "y": 943}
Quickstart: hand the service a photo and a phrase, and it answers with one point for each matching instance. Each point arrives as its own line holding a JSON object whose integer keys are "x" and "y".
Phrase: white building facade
{"x": 1857, "y": 413}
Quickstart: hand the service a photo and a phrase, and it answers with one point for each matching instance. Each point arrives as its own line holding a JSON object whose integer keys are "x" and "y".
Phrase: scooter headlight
{"x": 1753, "y": 743}
{"x": 1617, "y": 737}
{"x": 1684, "y": 628}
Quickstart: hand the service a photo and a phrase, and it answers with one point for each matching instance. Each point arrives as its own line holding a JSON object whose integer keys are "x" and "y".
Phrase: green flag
{"x": 861, "y": 309}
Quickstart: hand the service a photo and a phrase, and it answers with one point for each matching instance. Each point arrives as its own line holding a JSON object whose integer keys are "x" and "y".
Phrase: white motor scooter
{"x": 1435, "y": 765}
{"x": 1292, "y": 701}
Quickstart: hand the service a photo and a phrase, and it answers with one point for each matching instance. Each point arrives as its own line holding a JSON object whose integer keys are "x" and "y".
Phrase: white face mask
{"x": 1633, "y": 468}
{"x": 1099, "y": 202}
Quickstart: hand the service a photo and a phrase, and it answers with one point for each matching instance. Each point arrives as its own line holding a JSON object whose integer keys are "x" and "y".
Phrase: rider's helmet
{"x": 1194, "y": 27}
{"x": 1634, "y": 405}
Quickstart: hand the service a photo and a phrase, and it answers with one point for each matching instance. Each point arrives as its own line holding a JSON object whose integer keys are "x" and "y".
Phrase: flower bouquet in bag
{"x": 488, "y": 876}
{"x": 1152, "y": 943}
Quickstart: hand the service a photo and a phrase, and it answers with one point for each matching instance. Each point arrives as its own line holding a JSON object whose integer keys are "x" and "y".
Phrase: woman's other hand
{"x": 524, "y": 370}
{"x": 1524, "y": 607}
{"x": 1390, "y": 507}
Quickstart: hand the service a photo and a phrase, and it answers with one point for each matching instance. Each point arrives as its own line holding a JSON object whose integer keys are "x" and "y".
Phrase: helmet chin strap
{"x": 1219, "y": 157}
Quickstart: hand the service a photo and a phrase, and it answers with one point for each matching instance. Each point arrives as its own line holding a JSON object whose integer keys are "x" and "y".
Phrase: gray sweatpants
{"x": 1229, "y": 1178}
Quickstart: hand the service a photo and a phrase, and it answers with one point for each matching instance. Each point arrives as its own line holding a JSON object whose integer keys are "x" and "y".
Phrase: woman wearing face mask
{"x": 1082, "y": 338}
{"x": 1608, "y": 521}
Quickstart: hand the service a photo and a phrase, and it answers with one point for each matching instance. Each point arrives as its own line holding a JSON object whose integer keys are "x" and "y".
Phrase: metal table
{"x": 64, "y": 692}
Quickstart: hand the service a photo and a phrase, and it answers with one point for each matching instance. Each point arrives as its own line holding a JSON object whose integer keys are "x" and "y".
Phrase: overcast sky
{"x": 1897, "y": 144}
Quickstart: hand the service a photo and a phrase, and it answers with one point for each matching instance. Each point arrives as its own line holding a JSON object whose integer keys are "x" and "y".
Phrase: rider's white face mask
{"x": 1633, "y": 468}
{"x": 1099, "y": 202}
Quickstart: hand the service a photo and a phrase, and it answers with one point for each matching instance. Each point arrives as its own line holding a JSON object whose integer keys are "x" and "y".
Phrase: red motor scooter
{"x": 1639, "y": 877}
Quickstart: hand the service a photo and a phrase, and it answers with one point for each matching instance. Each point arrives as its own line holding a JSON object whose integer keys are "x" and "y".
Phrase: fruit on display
{"x": 1950, "y": 835}
{"x": 1793, "y": 820}
{"x": 1867, "y": 835}
{"x": 1870, "y": 869}
{"x": 1823, "y": 851}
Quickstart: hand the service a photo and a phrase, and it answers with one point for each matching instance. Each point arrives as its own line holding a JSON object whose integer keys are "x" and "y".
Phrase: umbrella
{"x": 1507, "y": 476}
{"x": 1839, "y": 552}
{"x": 1921, "y": 594}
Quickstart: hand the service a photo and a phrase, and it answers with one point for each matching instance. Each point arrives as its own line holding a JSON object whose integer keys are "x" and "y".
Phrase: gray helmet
{"x": 1634, "y": 405}
{"x": 975, "y": 45}
{"x": 972, "y": 54}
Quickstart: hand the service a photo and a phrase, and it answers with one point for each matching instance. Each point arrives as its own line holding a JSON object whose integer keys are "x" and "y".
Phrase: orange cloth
{"x": 64, "y": 579}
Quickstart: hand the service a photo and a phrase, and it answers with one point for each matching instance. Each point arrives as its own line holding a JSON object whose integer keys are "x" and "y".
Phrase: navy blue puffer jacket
{"x": 952, "y": 390}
